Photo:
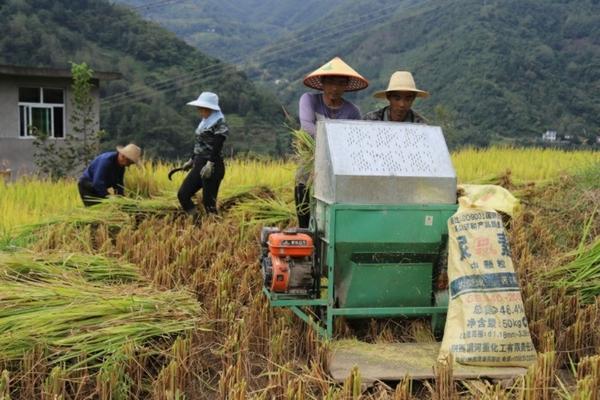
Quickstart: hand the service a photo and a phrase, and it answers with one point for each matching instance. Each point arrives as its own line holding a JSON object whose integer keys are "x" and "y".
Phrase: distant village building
{"x": 37, "y": 98}
{"x": 550, "y": 136}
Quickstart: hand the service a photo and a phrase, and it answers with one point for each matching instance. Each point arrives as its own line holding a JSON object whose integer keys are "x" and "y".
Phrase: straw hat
{"x": 206, "y": 100}
{"x": 336, "y": 67}
{"x": 132, "y": 152}
{"x": 401, "y": 81}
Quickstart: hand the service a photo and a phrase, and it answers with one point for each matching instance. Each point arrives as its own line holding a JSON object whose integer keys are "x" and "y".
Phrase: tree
{"x": 79, "y": 147}
{"x": 82, "y": 119}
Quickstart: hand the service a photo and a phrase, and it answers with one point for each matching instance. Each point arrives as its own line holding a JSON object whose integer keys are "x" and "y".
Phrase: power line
{"x": 331, "y": 31}
{"x": 157, "y": 4}
{"x": 266, "y": 51}
{"x": 210, "y": 71}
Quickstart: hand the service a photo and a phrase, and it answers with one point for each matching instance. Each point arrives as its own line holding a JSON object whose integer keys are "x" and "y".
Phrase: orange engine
{"x": 287, "y": 261}
{"x": 286, "y": 244}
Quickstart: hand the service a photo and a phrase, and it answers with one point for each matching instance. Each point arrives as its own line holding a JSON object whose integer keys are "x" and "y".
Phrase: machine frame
{"x": 328, "y": 304}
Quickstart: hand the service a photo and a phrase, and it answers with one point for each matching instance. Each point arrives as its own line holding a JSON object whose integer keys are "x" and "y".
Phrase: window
{"x": 41, "y": 109}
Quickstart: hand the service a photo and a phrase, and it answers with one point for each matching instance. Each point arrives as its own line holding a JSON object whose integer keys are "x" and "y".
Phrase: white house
{"x": 550, "y": 136}
{"x": 36, "y": 98}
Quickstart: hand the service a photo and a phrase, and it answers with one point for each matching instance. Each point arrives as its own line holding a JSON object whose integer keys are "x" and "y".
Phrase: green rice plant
{"x": 54, "y": 384}
{"x": 82, "y": 324}
{"x": 580, "y": 276}
{"x": 5, "y": 385}
{"x": 31, "y": 266}
{"x": 112, "y": 380}
{"x": 78, "y": 217}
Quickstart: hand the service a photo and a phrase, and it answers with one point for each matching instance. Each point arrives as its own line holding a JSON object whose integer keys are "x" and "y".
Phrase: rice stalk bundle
{"x": 77, "y": 217}
{"x": 304, "y": 149}
{"x": 265, "y": 211}
{"x": 444, "y": 379}
{"x": 241, "y": 194}
{"x": 404, "y": 389}
{"x": 538, "y": 382}
{"x": 352, "y": 388}
{"x": 157, "y": 205}
{"x": 81, "y": 323}
{"x": 30, "y": 266}
{"x": 581, "y": 275}
{"x": 588, "y": 378}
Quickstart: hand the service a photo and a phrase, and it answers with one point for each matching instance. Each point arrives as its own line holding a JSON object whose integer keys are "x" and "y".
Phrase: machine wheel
{"x": 438, "y": 321}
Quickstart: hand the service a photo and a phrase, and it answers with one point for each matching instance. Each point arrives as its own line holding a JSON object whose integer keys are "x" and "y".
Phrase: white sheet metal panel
{"x": 372, "y": 162}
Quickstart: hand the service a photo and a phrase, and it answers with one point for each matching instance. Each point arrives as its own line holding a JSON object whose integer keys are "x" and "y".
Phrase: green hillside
{"x": 232, "y": 30}
{"x": 510, "y": 68}
{"x": 498, "y": 70}
{"x": 161, "y": 73}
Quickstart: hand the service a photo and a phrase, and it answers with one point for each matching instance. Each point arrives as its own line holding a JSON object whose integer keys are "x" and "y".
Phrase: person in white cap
{"x": 107, "y": 171}
{"x": 206, "y": 165}
{"x": 400, "y": 94}
{"x": 333, "y": 79}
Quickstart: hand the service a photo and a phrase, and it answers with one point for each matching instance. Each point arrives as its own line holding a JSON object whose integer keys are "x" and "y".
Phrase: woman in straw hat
{"x": 107, "y": 171}
{"x": 333, "y": 79}
{"x": 400, "y": 93}
{"x": 206, "y": 166}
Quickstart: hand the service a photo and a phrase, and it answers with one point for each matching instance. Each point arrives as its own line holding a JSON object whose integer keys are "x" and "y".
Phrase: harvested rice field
{"x": 132, "y": 299}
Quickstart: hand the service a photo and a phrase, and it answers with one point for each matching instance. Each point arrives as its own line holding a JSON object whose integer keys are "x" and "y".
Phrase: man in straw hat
{"x": 107, "y": 171}
{"x": 400, "y": 93}
{"x": 333, "y": 79}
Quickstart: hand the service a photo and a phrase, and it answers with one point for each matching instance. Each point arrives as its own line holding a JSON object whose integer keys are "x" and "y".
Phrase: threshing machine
{"x": 383, "y": 193}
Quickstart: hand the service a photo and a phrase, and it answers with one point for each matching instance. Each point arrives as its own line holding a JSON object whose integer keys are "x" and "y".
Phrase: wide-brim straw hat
{"x": 132, "y": 152}
{"x": 336, "y": 67}
{"x": 206, "y": 100}
{"x": 401, "y": 81}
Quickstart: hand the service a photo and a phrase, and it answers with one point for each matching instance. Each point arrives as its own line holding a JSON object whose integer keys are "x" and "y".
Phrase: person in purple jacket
{"x": 105, "y": 172}
{"x": 333, "y": 80}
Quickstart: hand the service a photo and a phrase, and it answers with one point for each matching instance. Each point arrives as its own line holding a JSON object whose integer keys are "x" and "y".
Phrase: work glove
{"x": 188, "y": 165}
{"x": 207, "y": 171}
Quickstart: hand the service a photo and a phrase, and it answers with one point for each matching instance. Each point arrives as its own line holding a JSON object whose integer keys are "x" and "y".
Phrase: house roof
{"x": 16, "y": 70}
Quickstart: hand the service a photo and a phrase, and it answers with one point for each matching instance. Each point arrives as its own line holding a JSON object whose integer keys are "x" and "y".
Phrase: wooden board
{"x": 393, "y": 361}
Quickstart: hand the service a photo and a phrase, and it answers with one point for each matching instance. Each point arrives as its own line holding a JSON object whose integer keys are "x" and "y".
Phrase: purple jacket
{"x": 312, "y": 108}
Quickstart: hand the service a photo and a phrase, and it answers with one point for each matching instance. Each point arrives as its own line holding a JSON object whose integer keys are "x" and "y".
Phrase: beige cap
{"x": 401, "y": 81}
{"x": 336, "y": 67}
{"x": 132, "y": 152}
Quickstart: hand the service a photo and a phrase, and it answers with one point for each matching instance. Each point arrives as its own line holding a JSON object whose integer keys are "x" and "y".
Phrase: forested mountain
{"x": 232, "y": 30}
{"x": 498, "y": 70}
{"x": 161, "y": 73}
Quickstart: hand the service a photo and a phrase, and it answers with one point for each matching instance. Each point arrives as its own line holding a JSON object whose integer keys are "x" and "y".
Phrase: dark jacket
{"x": 105, "y": 172}
{"x": 209, "y": 142}
{"x": 383, "y": 115}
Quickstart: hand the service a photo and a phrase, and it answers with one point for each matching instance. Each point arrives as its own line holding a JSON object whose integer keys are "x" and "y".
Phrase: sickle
{"x": 171, "y": 172}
